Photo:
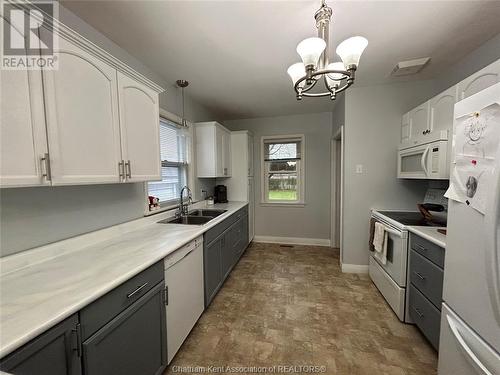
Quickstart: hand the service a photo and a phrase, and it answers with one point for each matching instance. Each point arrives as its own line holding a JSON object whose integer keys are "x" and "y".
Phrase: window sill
{"x": 283, "y": 204}
{"x": 166, "y": 208}
{"x": 162, "y": 209}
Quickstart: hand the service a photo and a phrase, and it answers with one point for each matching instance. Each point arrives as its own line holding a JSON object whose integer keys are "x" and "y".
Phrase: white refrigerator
{"x": 470, "y": 318}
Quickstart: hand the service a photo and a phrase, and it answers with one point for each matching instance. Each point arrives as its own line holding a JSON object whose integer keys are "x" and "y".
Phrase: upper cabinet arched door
{"x": 83, "y": 129}
{"x": 486, "y": 77}
{"x": 23, "y": 145}
{"x": 139, "y": 124}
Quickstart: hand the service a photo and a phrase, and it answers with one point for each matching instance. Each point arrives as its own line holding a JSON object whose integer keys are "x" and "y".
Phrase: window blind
{"x": 174, "y": 154}
{"x": 173, "y": 144}
{"x": 169, "y": 188}
{"x": 284, "y": 150}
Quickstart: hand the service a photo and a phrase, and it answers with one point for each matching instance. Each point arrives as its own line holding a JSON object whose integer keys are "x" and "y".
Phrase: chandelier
{"x": 315, "y": 66}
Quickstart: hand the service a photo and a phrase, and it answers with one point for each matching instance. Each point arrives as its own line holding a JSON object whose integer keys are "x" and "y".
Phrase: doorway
{"x": 337, "y": 163}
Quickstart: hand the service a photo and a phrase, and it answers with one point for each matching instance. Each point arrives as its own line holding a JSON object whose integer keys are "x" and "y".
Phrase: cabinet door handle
{"x": 128, "y": 169}
{"x": 419, "y": 275}
{"x": 139, "y": 288}
{"x": 46, "y": 161}
{"x": 166, "y": 295}
{"x": 419, "y": 313}
{"x": 78, "y": 332}
{"x": 121, "y": 170}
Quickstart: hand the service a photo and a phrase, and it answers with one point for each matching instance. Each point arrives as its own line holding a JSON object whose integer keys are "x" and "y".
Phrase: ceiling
{"x": 235, "y": 53}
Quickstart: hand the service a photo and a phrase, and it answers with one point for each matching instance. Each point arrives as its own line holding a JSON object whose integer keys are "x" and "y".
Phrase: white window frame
{"x": 189, "y": 168}
{"x": 301, "y": 172}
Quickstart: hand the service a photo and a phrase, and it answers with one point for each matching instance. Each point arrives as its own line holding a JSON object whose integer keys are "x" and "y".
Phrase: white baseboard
{"x": 354, "y": 268}
{"x": 293, "y": 240}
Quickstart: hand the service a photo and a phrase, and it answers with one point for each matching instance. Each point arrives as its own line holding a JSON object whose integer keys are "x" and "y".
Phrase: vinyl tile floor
{"x": 292, "y": 306}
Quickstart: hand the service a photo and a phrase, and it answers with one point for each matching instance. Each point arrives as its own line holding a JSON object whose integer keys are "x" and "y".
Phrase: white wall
{"x": 313, "y": 220}
{"x": 372, "y": 131}
{"x": 31, "y": 217}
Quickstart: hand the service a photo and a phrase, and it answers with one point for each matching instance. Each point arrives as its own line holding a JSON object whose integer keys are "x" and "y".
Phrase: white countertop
{"x": 42, "y": 287}
{"x": 430, "y": 234}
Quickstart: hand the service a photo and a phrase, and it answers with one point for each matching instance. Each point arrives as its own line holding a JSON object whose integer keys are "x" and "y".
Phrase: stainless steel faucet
{"x": 184, "y": 207}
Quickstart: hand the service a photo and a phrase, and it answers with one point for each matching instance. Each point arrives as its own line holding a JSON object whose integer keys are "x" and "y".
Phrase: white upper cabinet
{"x": 213, "y": 150}
{"x": 82, "y": 118}
{"x": 22, "y": 129}
{"x": 226, "y": 152}
{"x": 442, "y": 107}
{"x": 237, "y": 185}
{"x": 250, "y": 155}
{"x": 419, "y": 122}
{"x": 405, "y": 128}
{"x": 139, "y": 125}
{"x": 479, "y": 81}
{"x": 92, "y": 120}
{"x": 219, "y": 151}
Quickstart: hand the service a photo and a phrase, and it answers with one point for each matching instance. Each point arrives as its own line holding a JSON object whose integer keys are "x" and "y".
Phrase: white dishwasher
{"x": 185, "y": 292}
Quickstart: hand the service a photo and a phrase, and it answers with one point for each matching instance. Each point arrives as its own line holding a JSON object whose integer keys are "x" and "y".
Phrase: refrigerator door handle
{"x": 492, "y": 258}
{"x": 471, "y": 356}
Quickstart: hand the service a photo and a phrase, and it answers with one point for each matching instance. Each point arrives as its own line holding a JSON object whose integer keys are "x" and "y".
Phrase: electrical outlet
{"x": 359, "y": 168}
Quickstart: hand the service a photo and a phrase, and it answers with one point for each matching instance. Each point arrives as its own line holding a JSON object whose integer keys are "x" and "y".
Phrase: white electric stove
{"x": 391, "y": 278}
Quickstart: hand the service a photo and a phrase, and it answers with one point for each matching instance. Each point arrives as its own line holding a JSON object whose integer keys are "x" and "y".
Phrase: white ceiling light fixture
{"x": 336, "y": 76}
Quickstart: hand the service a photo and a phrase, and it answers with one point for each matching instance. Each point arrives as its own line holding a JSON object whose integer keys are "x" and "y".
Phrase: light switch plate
{"x": 359, "y": 168}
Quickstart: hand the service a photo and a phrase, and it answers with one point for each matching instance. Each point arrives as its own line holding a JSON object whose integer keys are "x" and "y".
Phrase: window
{"x": 174, "y": 144}
{"x": 283, "y": 169}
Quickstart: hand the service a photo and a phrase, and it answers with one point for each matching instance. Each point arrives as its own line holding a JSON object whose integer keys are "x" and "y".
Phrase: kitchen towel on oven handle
{"x": 380, "y": 239}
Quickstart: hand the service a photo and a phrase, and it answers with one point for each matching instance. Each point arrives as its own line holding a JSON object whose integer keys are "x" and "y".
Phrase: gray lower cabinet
{"x": 426, "y": 286}
{"x": 52, "y": 353}
{"x": 227, "y": 251}
{"x": 223, "y": 246}
{"x": 237, "y": 240}
{"x": 134, "y": 342}
{"x": 212, "y": 269}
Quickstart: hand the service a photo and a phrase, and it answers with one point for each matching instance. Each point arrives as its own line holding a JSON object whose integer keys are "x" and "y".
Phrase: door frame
{"x": 336, "y": 237}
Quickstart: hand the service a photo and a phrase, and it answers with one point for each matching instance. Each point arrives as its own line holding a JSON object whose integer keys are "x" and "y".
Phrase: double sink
{"x": 195, "y": 217}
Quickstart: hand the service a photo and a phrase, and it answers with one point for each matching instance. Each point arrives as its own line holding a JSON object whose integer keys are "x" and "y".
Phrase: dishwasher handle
{"x": 180, "y": 254}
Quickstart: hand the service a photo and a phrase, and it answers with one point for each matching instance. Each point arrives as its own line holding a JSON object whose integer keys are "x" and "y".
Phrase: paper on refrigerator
{"x": 477, "y": 138}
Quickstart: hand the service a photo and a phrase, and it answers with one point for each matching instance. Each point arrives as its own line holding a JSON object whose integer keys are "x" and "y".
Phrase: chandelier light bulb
{"x": 333, "y": 78}
{"x": 297, "y": 71}
{"x": 350, "y": 50}
{"x": 310, "y": 50}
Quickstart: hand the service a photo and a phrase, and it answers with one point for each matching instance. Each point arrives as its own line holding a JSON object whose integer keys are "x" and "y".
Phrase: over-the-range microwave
{"x": 428, "y": 159}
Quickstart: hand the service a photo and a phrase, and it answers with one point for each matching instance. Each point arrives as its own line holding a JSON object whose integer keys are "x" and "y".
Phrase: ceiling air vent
{"x": 405, "y": 68}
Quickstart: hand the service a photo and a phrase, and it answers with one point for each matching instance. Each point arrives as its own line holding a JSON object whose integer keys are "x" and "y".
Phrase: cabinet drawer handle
{"x": 419, "y": 313}
{"x": 419, "y": 275}
{"x": 139, "y": 288}
{"x": 420, "y": 247}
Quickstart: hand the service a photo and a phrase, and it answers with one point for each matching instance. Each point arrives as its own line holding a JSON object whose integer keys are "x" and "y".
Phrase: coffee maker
{"x": 220, "y": 194}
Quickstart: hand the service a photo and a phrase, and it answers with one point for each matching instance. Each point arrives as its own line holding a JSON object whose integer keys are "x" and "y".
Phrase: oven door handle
{"x": 395, "y": 232}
